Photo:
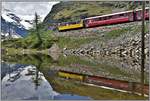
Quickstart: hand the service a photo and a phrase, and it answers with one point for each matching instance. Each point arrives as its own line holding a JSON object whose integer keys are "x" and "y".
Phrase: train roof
{"x": 114, "y": 13}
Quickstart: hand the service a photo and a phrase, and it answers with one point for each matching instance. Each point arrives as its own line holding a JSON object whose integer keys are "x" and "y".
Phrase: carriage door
{"x": 130, "y": 16}
{"x": 134, "y": 16}
{"x": 139, "y": 15}
{"x": 147, "y": 14}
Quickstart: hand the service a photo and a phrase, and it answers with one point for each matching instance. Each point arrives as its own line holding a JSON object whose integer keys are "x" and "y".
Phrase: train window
{"x": 121, "y": 14}
{"x": 104, "y": 18}
{"x": 100, "y": 18}
{"x": 147, "y": 10}
{"x": 96, "y": 19}
{"x": 114, "y": 16}
{"x": 90, "y": 21}
{"x": 124, "y": 14}
{"x": 117, "y": 15}
{"x": 109, "y": 17}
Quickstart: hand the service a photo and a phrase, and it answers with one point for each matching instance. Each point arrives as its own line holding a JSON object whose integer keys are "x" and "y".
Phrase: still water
{"x": 39, "y": 77}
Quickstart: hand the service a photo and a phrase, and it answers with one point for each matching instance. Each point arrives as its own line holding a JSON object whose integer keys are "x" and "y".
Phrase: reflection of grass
{"x": 96, "y": 68}
{"x": 13, "y": 51}
{"x": 97, "y": 93}
{"x": 74, "y": 62}
{"x": 31, "y": 59}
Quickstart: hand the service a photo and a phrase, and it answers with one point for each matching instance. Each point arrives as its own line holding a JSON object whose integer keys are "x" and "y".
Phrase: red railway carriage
{"x": 116, "y": 18}
{"x": 139, "y": 14}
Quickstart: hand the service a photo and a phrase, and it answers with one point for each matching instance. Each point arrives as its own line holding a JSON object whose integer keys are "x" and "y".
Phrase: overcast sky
{"x": 28, "y": 9}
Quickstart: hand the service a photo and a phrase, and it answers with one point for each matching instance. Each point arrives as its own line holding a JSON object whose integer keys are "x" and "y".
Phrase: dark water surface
{"x": 35, "y": 77}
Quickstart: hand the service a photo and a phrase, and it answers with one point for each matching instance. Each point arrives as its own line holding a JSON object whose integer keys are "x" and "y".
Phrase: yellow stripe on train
{"x": 71, "y": 76}
{"x": 71, "y": 26}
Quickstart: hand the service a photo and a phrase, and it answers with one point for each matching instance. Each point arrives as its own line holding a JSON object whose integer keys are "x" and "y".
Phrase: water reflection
{"x": 36, "y": 76}
{"x": 22, "y": 84}
{"x": 26, "y": 82}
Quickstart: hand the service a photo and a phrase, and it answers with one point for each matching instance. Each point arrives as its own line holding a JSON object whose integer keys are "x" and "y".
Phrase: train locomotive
{"x": 114, "y": 18}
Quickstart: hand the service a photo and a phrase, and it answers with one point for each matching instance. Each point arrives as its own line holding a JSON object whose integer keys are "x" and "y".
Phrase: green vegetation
{"x": 126, "y": 30}
{"x": 117, "y": 33}
{"x": 31, "y": 41}
{"x": 39, "y": 60}
{"x": 20, "y": 51}
{"x": 72, "y": 42}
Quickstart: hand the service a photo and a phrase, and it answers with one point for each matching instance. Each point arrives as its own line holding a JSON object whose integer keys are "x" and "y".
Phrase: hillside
{"x": 75, "y": 10}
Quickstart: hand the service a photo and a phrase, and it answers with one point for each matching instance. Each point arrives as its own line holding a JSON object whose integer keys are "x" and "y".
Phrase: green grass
{"x": 117, "y": 33}
{"x": 38, "y": 60}
{"x": 71, "y": 42}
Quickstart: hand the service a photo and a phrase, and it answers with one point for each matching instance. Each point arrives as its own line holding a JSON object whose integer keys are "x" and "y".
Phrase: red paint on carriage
{"x": 108, "y": 22}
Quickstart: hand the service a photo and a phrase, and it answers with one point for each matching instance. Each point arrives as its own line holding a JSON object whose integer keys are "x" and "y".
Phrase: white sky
{"x": 27, "y": 9}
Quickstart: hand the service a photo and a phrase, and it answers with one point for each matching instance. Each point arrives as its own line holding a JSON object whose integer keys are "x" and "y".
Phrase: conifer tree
{"x": 36, "y": 21}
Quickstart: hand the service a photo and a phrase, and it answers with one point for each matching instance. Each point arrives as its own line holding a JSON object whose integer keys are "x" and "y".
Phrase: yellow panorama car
{"x": 71, "y": 76}
{"x": 71, "y": 26}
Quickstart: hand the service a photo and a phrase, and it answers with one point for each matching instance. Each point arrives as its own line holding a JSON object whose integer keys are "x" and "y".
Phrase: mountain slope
{"x": 11, "y": 23}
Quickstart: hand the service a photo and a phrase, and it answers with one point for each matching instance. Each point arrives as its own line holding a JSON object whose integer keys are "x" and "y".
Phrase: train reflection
{"x": 133, "y": 87}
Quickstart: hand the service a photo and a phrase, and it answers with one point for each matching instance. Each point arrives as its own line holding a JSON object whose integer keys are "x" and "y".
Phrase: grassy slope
{"x": 71, "y": 42}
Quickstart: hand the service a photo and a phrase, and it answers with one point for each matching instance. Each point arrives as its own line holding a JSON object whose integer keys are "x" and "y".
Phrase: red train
{"x": 121, "y": 17}
{"x": 115, "y": 18}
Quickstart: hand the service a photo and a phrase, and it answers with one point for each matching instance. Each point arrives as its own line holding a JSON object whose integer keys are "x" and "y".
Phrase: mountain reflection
{"x": 26, "y": 82}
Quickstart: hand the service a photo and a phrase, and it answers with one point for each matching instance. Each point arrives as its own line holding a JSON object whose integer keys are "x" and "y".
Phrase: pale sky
{"x": 27, "y": 9}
